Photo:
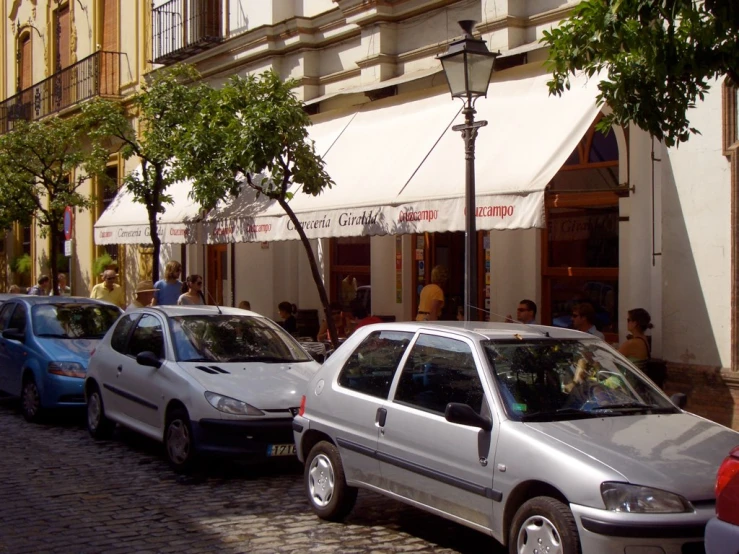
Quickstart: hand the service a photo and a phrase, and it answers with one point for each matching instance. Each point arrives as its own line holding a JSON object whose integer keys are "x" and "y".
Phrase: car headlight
{"x": 67, "y": 369}
{"x": 229, "y": 405}
{"x": 623, "y": 497}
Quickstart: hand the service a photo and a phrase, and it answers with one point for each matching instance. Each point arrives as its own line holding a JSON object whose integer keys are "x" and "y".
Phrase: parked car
{"x": 546, "y": 439}
{"x": 45, "y": 346}
{"x": 200, "y": 379}
{"x": 722, "y": 531}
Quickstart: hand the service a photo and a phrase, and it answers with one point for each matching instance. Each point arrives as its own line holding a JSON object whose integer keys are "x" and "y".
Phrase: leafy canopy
{"x": 658, "y": 55}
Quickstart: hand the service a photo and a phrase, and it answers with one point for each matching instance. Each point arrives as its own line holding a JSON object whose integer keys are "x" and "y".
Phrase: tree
{"x": 43, "y": 164}
{"x": 256, "y": 125}
{"x": 658, "y": 55}
{"x": 162, "y": 108}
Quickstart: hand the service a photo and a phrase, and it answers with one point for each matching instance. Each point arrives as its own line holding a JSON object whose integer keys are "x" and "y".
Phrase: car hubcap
{"x": 178, "y": 441}
{"x": 93, "y": 411}
{"x": 321, "y": 480}
{"x": 538, "y": 535}
{"x": 30, "y": 399}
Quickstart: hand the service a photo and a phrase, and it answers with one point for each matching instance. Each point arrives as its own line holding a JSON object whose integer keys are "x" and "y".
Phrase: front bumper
{"x": 606, "y": 532}
{"x": 250, "y": 439}
{"x": 59, "y": 391}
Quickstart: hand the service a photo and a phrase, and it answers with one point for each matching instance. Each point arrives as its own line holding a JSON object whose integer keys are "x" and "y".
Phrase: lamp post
{"x": 468, "y": 65}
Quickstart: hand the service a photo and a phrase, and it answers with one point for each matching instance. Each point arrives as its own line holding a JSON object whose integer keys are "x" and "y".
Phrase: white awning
{"x": 400, "y": 168}
{"x": 125, "y": 221}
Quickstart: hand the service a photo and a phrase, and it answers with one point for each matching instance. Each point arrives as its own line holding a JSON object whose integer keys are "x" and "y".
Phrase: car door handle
{"x": 380, "y": 417}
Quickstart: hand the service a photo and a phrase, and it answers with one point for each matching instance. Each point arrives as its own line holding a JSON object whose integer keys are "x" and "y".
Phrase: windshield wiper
{"x": 637, "y": 407}
{"x": 52, "y": 336}
{"x": 556, "y": 415}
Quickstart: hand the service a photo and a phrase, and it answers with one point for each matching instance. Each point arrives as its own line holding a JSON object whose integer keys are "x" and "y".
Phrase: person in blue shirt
{"x": 169, "y": 289}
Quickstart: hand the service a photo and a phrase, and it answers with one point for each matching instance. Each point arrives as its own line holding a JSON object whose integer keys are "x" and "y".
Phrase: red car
{"x": 722, "y": 531}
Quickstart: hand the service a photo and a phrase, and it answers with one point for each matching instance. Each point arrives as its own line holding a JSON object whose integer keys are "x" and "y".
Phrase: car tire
{"x": 98, "y": 425}
{"x": 30, "y": 400}
{"x": 548, "y": 523}
{"x": 179, "y": 443}
{"x": 329, "y": 495}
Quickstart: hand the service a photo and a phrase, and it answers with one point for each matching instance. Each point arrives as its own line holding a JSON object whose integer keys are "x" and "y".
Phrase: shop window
{"x": 350, "y": 269}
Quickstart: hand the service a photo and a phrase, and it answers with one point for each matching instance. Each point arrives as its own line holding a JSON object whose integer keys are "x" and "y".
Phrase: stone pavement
{"x": 62, "y": 492}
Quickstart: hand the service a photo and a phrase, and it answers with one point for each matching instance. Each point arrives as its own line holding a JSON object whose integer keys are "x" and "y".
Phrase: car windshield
{"x": 233, "y": 338}
{"x": 551, "y": 380}
{"x": 73, "y": 320}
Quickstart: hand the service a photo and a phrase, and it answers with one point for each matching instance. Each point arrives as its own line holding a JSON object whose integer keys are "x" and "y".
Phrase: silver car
{"x": 546, "y": 439}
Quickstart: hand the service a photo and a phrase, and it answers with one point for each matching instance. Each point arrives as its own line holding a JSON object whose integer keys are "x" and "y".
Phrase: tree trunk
{"x": 53, "y": 255}
{"x": 156, "y": 241}
{"x": 314, "y": 271}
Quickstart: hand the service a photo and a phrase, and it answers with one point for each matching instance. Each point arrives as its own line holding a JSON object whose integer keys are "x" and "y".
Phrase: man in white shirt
{"x": 583, "y": 319}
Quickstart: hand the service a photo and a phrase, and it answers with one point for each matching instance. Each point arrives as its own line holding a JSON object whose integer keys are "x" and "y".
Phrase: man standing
{"x": 42, "y": 288}
{"x": 109, "y": 290}
{"x": 525, "y": 313}
{"x": 169, "y": 289}
{"x": 583, "y": 319}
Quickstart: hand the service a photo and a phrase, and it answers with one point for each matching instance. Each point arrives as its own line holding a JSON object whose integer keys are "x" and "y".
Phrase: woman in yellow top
{"x": 432, "y": 296}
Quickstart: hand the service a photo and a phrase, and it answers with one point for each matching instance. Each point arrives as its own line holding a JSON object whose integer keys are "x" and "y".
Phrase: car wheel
{"x": 543, "y": 524}
{"x": 98, "y": 425}
{"x": 178, "y": 441}
{"x": 30, "y": 400}
{"x": 329, "y": 495}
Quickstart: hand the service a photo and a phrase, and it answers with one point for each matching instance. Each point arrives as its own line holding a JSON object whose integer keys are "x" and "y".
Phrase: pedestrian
{"x": 431, "y": 300}
{"x": 525, "y": 313}
{"x": 583, "y": 319}
{"x": 143, "y": 296}
{"x": 14, "y": 289}
{"x": 636, "y": 347}
{"x": 42, "y": 288}
{"x": 64, "y": 290}
{"x": 192, "y": 292}
{"x": 109, "y": 290}
{"x": 245, "y": 305}
{"x": 169, "y": 289}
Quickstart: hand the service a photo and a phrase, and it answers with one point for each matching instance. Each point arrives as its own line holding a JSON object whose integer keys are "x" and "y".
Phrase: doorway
{"x": 217, "y": 273}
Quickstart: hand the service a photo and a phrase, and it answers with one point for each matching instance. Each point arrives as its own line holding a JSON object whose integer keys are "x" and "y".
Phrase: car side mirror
{"x": 149, "y": 359}
{"x": 679, "y": 399}
{"x": 463, "y": 414}
{"x": 14, "y": 334}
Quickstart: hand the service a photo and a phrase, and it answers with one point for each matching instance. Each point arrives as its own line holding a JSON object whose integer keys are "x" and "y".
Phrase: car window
{"x": 371, "y": 367}
{"x": 147, "y": 336}
{"x": 5, "y": 312}
{"x": 18, "y": 319}
{"x": 440, "y": 370}
{"x": 120, "y": 334}
{"x": 73, "y": 320}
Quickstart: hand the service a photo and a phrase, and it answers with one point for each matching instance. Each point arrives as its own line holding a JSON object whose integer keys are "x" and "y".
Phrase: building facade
{"x": 565, "y": 213}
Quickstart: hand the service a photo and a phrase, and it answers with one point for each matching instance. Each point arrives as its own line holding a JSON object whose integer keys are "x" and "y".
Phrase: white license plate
{"x": 281, "y": 450}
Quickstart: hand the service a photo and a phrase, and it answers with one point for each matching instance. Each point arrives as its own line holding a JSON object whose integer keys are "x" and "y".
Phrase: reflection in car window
{"x": 7, "y": 309}
{"x": 73, "y": 320}
{"x": 120, "y": 334}
{"x": 551, "y": 379}
{"x": 147, "y": 337}
{"x": 18, "y": 319}
{"x": 440, "y": 370}
{"x": 370, "y": 368}
{"x": 233, "y": 338}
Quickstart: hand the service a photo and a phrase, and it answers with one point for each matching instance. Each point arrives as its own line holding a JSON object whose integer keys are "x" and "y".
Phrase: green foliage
{"x": 658, "y": 55}
{"x": 101, "y": 263}
{"x": 22, "y": 264}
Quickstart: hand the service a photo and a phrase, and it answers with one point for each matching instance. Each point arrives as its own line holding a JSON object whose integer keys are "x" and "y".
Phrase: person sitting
{"x": 525, "y": 313}
{"x": 143, "y": 296}
{"x": 636, "y": 348}
{"x": 338, "y": 316}
{"x": 288, "y": 323}
{"x": 245, "y": 305}
{"x": 42, "y": 288}
{"x": 361, "y": 317}
{"x": 583, "y": 319}
{"x": 64, "y": 289}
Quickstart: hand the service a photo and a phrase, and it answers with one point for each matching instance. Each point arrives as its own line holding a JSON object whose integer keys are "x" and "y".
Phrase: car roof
{"x": 488, "y": 329}
{"x": 35, "y": 300}
{"x": 173, "y": 311}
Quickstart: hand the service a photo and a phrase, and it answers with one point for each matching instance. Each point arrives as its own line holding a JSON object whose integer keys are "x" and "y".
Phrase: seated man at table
{"x": 361, "y": 317}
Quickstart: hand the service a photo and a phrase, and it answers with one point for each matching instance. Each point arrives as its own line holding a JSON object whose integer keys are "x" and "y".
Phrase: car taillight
{"x": 301, "y": 411}
{"x": 726, "y": 472}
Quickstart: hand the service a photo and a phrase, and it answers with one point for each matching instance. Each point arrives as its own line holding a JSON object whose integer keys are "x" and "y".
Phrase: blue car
{"x": 45, "y": 344}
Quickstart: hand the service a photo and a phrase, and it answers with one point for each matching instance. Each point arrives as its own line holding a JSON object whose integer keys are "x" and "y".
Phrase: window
{"x": 120, "y": 335}
{"x": 109, "y": 189}
{"x": 438, "y": 371}
{"x": 350, "y": 268}
{"x": 18, "y": 319}
{"x": 147, "y": 336}
{"x": 371, "y": 367}
{"x": 7, "y": 309}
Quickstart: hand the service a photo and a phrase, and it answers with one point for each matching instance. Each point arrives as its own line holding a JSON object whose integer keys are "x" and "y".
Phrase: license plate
{"x": 281, "y": 450}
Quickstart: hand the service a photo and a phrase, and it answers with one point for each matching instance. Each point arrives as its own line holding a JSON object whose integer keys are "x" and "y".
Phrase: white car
{"x": 200, "y": 379}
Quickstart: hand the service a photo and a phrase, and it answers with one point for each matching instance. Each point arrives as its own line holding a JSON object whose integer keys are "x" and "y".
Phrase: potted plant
{"x": 103, "y": 262}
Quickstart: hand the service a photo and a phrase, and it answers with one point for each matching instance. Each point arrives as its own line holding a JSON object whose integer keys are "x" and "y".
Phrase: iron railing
{"x": 95, "y": 75}
{"x": 182, "y": 28}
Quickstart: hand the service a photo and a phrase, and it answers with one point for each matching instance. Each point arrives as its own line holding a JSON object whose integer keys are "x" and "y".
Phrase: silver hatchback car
{"x": 546, "y": 439}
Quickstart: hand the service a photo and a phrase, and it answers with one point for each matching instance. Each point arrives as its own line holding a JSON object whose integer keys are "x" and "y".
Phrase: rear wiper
{"x": 562, "y": 413}
{"x": 636, "y": 406}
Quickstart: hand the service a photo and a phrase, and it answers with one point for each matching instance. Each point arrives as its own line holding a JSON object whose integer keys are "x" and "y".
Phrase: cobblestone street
{"x": 62, "y": 492}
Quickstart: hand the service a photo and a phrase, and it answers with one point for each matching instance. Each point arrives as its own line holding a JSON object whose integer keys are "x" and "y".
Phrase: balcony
{"x": 96, "y": 75}
{"x": 182, "y": 28}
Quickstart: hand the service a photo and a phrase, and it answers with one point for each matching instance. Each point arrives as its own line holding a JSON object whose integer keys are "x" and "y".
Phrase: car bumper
{"x": 605, "y": 532}
{"x": 250, "y": 439}
{"x": 59, "y": 391}
{"x": 721, "y": 537}
{"x": 299, "y": 425}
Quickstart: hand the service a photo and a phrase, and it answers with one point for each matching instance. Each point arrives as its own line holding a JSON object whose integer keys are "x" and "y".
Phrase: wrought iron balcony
{"x": 96, "y": 75}
{"x": 182, "y": 28}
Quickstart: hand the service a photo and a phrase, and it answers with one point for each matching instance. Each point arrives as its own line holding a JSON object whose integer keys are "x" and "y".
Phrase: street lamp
{"x": 468, "y": 65}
